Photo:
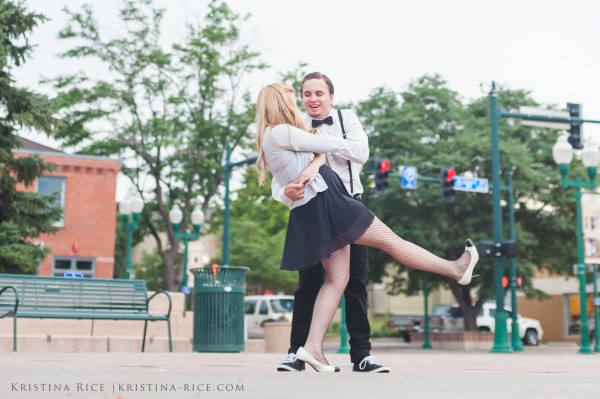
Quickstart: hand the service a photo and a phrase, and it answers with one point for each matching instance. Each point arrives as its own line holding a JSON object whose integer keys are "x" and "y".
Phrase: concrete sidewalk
{"x": 542, "y": 372}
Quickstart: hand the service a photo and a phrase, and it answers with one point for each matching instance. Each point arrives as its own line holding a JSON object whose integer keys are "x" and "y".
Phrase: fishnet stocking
{"x": 380, "y": 236}
{"x": 337, "y": 273}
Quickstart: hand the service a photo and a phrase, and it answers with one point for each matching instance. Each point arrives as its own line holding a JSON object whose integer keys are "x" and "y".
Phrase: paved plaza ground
{"x": 541, "y": 372}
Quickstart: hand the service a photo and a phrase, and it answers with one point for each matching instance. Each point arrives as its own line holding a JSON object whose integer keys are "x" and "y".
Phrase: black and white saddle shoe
{"x": 370, "y": 365}
{"x": 291, "y": 363}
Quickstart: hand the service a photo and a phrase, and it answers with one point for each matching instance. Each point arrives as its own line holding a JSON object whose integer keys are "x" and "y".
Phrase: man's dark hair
{"x": 317, "y": 75}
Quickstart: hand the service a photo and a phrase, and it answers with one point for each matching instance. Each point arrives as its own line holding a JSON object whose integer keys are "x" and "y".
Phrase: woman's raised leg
{"x": 380, "y": 236}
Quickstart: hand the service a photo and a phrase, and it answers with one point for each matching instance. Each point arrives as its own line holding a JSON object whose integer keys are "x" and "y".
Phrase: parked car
{"x": 262, "y": 308}
{"x": 530, "y": 330}
{"x": 446, "y": 318}
{"x": 442, "y": 318}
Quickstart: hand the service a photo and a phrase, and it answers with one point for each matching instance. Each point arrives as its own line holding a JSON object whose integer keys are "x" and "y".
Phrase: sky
{"x": 549, "y": 48}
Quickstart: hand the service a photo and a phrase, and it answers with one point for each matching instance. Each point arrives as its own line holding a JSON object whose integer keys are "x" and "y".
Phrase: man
{"x": 317, "y": 94}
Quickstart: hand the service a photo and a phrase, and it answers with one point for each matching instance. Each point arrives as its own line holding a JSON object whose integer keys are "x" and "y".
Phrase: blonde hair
{"x": 276, "y": 105}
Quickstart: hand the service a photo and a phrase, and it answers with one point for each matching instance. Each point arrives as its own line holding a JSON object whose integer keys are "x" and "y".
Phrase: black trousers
{"x": 357, "y": 322}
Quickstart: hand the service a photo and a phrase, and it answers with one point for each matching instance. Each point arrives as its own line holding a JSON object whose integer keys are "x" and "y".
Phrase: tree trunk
{"x": 171, "y": 279}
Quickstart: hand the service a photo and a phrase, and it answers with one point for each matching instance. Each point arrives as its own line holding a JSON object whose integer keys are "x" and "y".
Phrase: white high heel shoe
{"x": 315, "y": 364}
{"x": 470, "y": 248}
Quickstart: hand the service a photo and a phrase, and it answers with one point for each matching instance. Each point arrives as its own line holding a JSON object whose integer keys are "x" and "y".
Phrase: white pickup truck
{"x": 530, "y": 330}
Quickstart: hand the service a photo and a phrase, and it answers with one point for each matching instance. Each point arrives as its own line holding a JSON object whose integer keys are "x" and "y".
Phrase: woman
{"x": 326, "y": 220}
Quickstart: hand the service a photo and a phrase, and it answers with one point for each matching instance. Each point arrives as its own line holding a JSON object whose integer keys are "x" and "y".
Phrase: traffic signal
{"x": 520, "y": 281}
{"x": 447, "y": 174}
{"x": 575, "y": 130}
{"x": 382, "y": 167}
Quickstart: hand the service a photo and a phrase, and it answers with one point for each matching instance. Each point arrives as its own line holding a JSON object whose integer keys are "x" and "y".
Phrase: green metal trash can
{"x": 219, "y": 308}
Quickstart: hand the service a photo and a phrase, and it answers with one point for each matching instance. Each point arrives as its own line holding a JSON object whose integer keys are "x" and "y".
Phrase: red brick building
{"x": 85, "y": 243}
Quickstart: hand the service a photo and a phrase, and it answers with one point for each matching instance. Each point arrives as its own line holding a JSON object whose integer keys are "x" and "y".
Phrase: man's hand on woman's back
{"x": 294, "y": 190}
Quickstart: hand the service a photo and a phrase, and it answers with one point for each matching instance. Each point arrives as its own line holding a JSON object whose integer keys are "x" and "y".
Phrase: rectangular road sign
{"x": 408, "y": 177}
{"x": 473, "y": 184}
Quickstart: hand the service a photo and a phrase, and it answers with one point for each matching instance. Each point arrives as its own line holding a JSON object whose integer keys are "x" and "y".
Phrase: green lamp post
{"x": 501, "y": 343}
{"x": 344, "y": 346}
{"x": 517, "y": 345}
{"x": 426, "y": 340}
{"x": 130, "y": 214}
{"x": 229, "y": 166}
{"x": 175, "y": 217}
{"x": 562, "y": 152}
{"x": 596, "y": 316}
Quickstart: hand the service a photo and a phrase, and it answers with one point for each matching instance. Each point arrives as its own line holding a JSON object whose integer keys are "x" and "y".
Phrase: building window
{"x": 74, "y": 267}
{"x": 573, "y": 313}
{"x": 49, "y": 185}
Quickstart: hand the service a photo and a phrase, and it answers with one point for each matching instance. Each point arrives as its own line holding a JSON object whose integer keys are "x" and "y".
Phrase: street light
{"x": 501, "y": 344}
{"x": 175, "y": 217}
{"x": 228, "y": 170}
{"x": 562, "y": 152}
{"x": 130, "y": 214}
{"x": 517, "y": 345}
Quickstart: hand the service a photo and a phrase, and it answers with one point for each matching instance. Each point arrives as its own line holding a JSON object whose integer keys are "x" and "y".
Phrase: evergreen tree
{"x": 23, "y": 215}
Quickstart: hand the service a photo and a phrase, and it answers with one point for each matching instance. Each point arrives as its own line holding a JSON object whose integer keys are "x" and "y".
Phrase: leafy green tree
{"x": 149, "y": 269}
{"x": 165, "y": 112}
{"x": 23, "y": 215}
{"x": 258, "y": 227}
{"x": 428, "y": 126}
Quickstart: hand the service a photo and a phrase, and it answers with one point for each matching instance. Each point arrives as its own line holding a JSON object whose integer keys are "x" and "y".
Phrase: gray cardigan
{"x": 286, "y": 163}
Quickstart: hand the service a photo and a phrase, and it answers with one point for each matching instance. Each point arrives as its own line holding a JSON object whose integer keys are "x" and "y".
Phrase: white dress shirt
{"x": 354, "y": 148}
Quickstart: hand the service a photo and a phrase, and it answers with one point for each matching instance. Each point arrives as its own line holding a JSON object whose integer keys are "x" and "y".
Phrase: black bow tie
{"x": 319, "y": 122}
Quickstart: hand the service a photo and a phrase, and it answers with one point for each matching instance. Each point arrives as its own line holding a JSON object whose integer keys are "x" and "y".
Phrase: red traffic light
{"x": 215, "y": 269}
{"x": 447, "y": 175}
{"x": 384, "y": 165}
{"x": 450, "y": 174}
{"x": 519, "y": 280}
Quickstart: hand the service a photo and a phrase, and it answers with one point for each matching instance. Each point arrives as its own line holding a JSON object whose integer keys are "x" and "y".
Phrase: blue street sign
{"x": 186, "y": 290}
{"x": 409, "y": 177}
{"x": 462, "y": 183}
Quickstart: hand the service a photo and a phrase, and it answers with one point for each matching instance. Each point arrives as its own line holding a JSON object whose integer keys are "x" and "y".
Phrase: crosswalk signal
{"x": 382, "y": 167}
{"x": 447, "y": 174}
{"x": 575, "y": 129}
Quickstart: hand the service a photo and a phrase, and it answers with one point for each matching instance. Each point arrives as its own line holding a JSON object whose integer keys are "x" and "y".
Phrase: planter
{"x": 465, "y": 340}
{"x": 277, "y": 336}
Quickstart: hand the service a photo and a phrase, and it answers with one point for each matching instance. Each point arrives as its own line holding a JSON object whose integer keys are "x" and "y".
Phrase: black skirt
{"x": 326, "y": 223}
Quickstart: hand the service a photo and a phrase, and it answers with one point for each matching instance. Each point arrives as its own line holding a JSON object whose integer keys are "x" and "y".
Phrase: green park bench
{"x": 28, "y": 296}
